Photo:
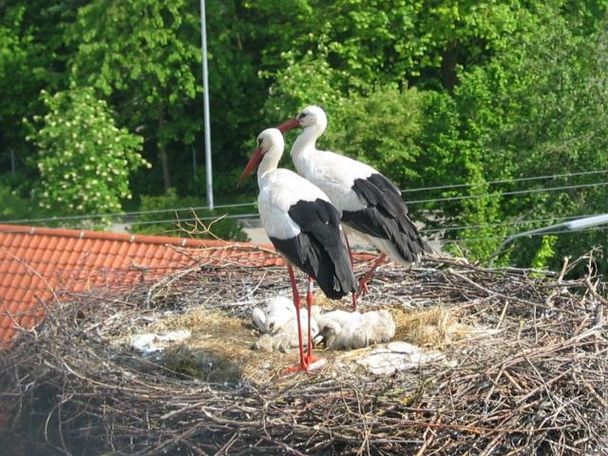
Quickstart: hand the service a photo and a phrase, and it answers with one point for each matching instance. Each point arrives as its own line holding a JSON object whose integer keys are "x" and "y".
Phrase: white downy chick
{"x": 276, "y": 313}
{"x": 277, "y": 319}
{"x": 347, "y": 330}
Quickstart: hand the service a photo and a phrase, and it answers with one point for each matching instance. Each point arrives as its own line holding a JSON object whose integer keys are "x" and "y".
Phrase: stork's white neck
{"x": 269, "y": 163}
{"x": 305, "y": 143}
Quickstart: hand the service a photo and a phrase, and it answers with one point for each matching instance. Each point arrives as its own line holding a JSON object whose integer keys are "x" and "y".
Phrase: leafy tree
{"x": 555, "y": 124}
{"x": 380, "y": 128}
{"x": 371, "y": 42}
{"x": 139, "y": 54}
{"x": 300, "y": 84}
{"x": 536, "y": 110}
{"x": 24, "y": 70}
{"x": 237, "y": 92}
{"x": 13, "y": 206}
{"x": 84, "y": 159}
{"x": 14, "y": 57}
{"x": 545, "y": 253}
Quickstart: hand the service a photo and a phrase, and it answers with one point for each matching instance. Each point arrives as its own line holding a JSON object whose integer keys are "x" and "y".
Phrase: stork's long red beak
{"x": 254, "y": 161}
{"x": 289, "y": 125}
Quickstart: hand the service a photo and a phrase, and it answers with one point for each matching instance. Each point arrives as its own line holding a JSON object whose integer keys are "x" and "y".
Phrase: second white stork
{"x": 369, "y": 202}
{"x": 304, "y": 227}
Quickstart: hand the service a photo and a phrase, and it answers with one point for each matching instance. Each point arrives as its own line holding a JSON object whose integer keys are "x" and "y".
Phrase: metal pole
{"x": 194, "y": 174}
{"x": 572, "y": 225}
{"x": 208, "y": 170}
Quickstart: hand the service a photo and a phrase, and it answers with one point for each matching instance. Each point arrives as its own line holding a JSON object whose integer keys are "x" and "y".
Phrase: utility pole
{"x": 208, "y": 169}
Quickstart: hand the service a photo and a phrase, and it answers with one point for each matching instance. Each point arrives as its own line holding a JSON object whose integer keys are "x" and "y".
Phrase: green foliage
{"x": 83, "y": 158}
{"x": 171, "y": 215}
{"x": 14, "y": 57}
{"x": 456, "y": 93}
{"x": 22, "y": 76}
{"x": 13, "y": 206}
{"x": 143, "y": 55}
{"x": 378, "y": 42}
{"x": 296, "y": 85}
{"x": 380, "y": 128}
{"x": 136, "y": 45}
{"x": 535, "y": 110}
{"x": 236, "y": 90}
{"x": 545, "y": 252}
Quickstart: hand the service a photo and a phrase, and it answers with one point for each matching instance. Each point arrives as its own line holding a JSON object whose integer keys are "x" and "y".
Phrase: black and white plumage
{"x": 318, "y": 249}
{"x": 302, "y": 224}
{"x": 369, "y": 202}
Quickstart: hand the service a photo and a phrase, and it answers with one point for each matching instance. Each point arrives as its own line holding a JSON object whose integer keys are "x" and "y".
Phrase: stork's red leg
{"x": 352, "y": 263}
{"x": 296, "y": 302}
{"x": 369, "y": 274}
{"x": 309, "y": 301}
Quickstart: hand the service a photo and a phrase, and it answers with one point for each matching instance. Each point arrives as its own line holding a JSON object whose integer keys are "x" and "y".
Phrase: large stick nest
{"x": 536, "y": 382}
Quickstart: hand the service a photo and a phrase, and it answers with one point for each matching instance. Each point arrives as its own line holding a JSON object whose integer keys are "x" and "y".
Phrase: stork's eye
{"x": 302, "y": 115}
{"x": 259, "y": 142}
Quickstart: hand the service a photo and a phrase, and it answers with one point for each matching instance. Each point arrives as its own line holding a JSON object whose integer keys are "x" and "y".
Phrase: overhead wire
{"x": 544, "y": 233}
{"x": 123, "y": 214}
{"x": 422, "y": 231}
{"x": 118, "y": 215}
{"x": 194, "y": 219}
{"x": 510, "y": 193}
{"x": 512, "y": 223}
{"x": 505, "y": 181}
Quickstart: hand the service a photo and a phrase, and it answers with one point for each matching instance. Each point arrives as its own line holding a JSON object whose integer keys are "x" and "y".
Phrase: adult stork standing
{"x": 369, "y": 202}
{"x": 303, "y": 226}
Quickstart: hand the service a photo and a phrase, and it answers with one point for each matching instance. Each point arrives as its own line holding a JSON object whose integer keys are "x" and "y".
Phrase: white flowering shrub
{"x": 84, "y": 159}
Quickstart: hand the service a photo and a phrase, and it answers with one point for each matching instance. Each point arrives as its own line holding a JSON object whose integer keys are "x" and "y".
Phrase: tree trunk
{"x": 162, "y": 156}
{"x": 448, "y": 67}
{"x": 164, "y": 163}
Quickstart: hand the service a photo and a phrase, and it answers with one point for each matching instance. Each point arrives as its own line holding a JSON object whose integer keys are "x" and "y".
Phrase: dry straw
{"x": 526, "y": 370}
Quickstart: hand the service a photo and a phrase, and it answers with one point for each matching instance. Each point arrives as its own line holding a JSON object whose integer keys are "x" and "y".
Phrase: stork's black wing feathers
{"x": 319, "y": 249}
{"x": 385, "y": 216}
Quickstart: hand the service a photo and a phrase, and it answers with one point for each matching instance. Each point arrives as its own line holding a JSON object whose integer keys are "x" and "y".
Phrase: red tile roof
{"x": 37, "y": 263}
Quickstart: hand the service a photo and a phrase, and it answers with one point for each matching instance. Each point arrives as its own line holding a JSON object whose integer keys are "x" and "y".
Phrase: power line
{"x": 504, "y": 181}
{"x": 422, "y": 231}
{"x": 544, "y": 233}
{"x": 515, "y": 192}
{"x": 193, "y": 219}
{"x": 442, "y": 241}
{"x": 125, "y": 214}
{"x": 253, "y": 203}
{"x": 490, "y": 225}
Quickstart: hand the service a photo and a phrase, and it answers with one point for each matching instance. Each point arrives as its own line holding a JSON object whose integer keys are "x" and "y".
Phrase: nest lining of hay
{"x": 535, "y": 384}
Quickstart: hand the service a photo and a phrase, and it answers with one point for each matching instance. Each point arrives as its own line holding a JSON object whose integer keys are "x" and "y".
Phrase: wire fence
{"x": 506, "y": 181}
{"x": 189, "y": 214}
{"x": 230, "y": 206}
{"x": 500, "y": 237}
{"x": 429, "y": 231}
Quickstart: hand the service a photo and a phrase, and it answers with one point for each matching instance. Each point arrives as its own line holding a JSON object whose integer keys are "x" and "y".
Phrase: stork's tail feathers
{"x": 335, "y": 277}
{"x": 329, "y": 265}
{"x": 407, "y": 241}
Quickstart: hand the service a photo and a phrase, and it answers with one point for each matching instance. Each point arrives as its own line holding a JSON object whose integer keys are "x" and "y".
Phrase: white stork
{"x": 303, "y": 226}
{"x": 369, "y": 202}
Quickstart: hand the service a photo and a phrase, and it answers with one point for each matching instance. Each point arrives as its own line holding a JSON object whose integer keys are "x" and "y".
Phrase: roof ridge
{"x": 106, "y": 235}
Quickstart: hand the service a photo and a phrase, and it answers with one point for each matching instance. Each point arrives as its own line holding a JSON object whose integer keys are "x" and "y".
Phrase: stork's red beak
{"x": 254, "y": 161}
{"x": 289, "y": 125}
